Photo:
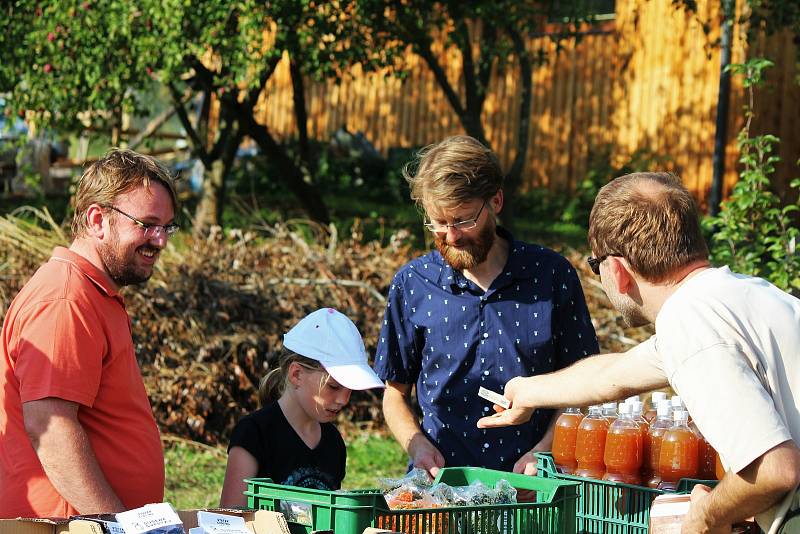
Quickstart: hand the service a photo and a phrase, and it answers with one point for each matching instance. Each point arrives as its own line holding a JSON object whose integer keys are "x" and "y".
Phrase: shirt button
{"x": 485, "y": 334}
{"x": 485, "y": 408}
{"x": 486, "y": 373}
{"x": 485, "y": 445}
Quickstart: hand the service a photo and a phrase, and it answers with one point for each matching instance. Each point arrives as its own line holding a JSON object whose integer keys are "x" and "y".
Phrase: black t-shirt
{"x": 284, "y": 457}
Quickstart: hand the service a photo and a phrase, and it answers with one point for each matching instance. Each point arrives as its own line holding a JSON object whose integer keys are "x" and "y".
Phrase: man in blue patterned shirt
{"x": 480, "y": 309}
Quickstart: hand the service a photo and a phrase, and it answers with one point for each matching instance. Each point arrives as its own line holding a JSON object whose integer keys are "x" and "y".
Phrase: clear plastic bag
{"x": 416, "y": 478}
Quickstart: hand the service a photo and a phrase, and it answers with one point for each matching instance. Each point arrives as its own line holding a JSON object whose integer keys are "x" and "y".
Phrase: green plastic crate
{"x": 350, "y": 512}
{"x": 606, "y": 507}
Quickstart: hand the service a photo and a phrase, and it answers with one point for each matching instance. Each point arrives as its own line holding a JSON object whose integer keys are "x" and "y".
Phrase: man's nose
{"x": 158, "y": 237}
{"x": 452, "y": 234}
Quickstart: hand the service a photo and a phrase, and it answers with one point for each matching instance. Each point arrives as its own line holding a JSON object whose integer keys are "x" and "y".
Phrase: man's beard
{"x": 472, "y": 252}
{"x": 121, "y": 268}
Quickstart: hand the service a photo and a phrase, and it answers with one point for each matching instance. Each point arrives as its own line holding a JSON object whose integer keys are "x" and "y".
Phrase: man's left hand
{"x": 527, "y": 466}
{"x": 695, "y": 520}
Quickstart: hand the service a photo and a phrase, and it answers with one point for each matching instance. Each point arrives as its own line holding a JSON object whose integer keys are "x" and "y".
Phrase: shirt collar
{"x": 98, "y": 277}
{"x": 515, "y": 266}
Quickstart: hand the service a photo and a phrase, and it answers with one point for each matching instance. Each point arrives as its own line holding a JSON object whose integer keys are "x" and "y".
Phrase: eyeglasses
{"x": 461, "y": 226}
{"x": 150, "y": 231}
{"x": 594, "y": 263}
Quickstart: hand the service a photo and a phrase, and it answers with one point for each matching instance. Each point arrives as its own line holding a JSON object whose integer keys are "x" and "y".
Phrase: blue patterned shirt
{"x": 444, "y": 333}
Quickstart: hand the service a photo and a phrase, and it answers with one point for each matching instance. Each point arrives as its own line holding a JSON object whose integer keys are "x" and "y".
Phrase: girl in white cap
{"x": 292, "y": 439}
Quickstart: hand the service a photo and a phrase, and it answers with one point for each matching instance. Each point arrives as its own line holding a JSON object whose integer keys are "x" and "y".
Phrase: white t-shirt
{"x": 729, "y": 345}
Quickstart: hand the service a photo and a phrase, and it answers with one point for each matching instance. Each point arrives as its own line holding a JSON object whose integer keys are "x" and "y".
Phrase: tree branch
{"x": 177, "y": 102}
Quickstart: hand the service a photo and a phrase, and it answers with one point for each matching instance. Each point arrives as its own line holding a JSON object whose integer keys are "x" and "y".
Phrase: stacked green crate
{"x": 610, "y": 507}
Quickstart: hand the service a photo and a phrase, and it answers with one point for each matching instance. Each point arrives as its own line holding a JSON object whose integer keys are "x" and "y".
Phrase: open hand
{"x": 514, "y": 415}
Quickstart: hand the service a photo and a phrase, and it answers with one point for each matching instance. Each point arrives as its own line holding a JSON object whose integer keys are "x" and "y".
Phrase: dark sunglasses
{"x": 594, "y": 263}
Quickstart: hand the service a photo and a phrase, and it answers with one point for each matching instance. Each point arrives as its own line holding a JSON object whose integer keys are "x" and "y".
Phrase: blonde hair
{"x": 118, "y": 172}
{"x": 452, "y": 172}
{"x": 274, "y": 383}
{"x": 650, "y": 219}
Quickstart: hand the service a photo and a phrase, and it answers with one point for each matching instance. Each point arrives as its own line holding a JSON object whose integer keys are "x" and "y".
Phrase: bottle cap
{"x": 638, "y": 407}
{"x": 680, "y": 416}
{"x": 677, "y": 402}
{"x": 657, "y": 396}
{"x": 625, "y": 408}
{"x": 632, "y": 398}
{"x": 663, "y": 408}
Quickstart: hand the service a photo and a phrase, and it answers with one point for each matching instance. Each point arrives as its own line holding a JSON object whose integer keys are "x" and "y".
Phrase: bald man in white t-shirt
{"x": 729, "y": 344}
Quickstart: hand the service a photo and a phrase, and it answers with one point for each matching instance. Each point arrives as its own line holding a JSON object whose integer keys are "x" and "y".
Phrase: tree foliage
{"x": 754, "y": 233}
{"x": 487, "y": 34}
{"x": 75, "y": 64}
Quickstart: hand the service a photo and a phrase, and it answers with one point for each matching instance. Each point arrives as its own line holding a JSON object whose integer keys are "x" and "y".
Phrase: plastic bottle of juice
{"x": 678, "y": 456}
{"x": 590, "y": 444}
{"x": 637, "y": 415}
{"x": 652, "y": 443}
{"x": 564, "y": 438}
{"x": 719, "y": 471}
{"x": 707, "y": 460}
{"x": 610, "y": 411}
{"x": 677, "y": 403}
{"x": 623, "y": 454}
{"x": 652, "y": 410}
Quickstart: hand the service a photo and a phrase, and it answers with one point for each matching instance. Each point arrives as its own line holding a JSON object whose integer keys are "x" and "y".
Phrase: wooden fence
{"x": 648, "y": 81}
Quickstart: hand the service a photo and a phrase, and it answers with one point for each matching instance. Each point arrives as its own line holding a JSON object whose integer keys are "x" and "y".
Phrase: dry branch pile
{"x": 210, "y": 321}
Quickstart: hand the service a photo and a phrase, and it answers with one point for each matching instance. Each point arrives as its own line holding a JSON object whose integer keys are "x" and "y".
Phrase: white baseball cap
{"x": 332, "y": 339}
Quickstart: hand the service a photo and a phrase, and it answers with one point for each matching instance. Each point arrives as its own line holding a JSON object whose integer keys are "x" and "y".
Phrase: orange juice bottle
{"x": 638, "y": 416}
{"x": 678, "y": 456}
{"x": 677, "y": 403}
{"x": 652, "y": 444}
{"x": 623, "y": 451}
{"x": 564, "y": 438}
{"x": 707, "y": 458}
{"x": 652, "y": 410}
{"x": 590, "y": 444}
{"x": 610, "y": 412}
{"x": 719, "y": 471}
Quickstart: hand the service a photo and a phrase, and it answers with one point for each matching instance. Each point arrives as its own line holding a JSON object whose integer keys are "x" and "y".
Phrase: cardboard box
{"x": 259, "y": 521}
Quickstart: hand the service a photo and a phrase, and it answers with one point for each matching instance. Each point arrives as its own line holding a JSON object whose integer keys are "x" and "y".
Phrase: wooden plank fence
{"x": 647, "y": 81}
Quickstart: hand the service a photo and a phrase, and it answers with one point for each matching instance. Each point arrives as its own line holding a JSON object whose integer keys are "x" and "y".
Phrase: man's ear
{"x": 496, "y": 202}
{"x": 623, "y": 277}
{"x": 95, "y": 219}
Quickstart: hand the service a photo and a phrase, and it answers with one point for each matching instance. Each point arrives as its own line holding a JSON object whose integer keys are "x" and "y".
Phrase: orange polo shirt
{"x": 67, "y": 335}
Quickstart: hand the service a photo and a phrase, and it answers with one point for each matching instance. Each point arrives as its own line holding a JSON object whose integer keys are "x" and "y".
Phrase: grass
{"x": 195, "y": 471}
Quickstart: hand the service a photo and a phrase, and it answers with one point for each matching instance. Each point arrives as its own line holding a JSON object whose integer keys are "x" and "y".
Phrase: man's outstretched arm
{"x": 591, "y": 380}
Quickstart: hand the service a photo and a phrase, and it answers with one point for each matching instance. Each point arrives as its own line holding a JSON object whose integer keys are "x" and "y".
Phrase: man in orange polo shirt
{"x": 77, "y": 433}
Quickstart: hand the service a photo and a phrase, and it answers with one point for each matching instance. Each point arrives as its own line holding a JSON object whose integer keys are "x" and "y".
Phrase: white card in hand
{"x": 494, "y": 397}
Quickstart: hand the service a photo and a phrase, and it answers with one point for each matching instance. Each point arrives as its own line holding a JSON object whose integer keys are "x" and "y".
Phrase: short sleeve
{"x": 247, "y": 436}
{"x": 397, "y": 358}
{"x": 576, "y": 337}
{"x": 646, "y": 353}
{"x": 58, "y": 352}
{"x": 719, "y": 388}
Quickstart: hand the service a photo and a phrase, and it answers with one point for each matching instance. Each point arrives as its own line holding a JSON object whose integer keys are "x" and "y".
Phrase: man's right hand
{"x": 519, "y": 412}
{"x": 424, "y": 455}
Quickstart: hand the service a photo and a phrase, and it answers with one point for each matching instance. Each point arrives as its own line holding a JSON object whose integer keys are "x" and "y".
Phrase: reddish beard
{"x": 470, "y": 252}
